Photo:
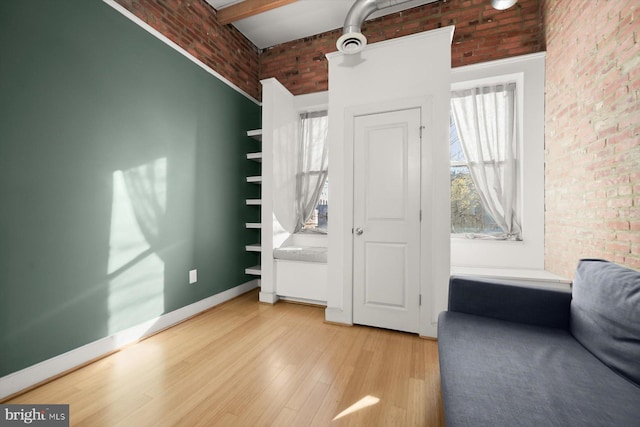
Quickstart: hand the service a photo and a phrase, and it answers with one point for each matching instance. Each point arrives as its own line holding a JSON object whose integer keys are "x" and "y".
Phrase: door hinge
{"x": 420, "y": 299}
{"x": 421, "y": 127}
{"x": 420, "y": 215}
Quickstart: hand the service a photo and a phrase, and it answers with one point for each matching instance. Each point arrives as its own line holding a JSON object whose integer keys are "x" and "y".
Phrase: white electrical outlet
{"x": 193, "y": 276}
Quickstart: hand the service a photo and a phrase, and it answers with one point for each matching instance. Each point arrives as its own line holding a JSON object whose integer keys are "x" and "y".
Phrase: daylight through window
{"x": 467, "y": 213}
{"x": 484, "y": 181}
{"x": 312, "y": 180}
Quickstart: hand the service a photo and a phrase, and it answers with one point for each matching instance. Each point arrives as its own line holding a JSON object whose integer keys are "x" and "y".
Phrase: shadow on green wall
{"x": 121, "y": 168}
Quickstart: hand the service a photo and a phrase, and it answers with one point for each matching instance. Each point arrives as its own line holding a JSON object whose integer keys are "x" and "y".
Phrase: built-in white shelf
{"x": 255, "y": 270}
{"x": 256, "y": 157}
{"x": 255, "y": 134}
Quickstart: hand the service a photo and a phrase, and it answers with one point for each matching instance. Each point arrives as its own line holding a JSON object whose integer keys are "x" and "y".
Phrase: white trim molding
{"x": 59, "y": 365}
{"x": 337, "y": 315}
{"x": 268, "y": 297}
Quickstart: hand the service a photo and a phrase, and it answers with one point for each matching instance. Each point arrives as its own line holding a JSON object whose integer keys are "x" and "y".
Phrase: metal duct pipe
{"x": 352, "y": 39}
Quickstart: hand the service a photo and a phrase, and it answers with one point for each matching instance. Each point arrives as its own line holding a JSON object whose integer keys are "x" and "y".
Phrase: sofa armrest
{"x": 512, "y": 302}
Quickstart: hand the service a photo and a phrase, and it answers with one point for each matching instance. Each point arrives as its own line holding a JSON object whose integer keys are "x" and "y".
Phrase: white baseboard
{"x": 336, "y": 315}
{"x": 268, "y": 297}
{"x": 40, "y": 372}
{"x": 303, "y": 300}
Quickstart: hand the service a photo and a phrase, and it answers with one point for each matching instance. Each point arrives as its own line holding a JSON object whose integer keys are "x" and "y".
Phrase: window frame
{"x": 317, "y": 109}
{"x": 518, "y": 80}
{"x": 528, "y": 73}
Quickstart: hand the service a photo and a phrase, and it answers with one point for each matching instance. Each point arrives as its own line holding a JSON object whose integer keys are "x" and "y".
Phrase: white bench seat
{"x": 302, "y": 253}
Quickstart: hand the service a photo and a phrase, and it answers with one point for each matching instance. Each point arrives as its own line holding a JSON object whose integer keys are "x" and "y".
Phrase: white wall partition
{"x": 407, "y": 72}
{"x": 279, "y": 121}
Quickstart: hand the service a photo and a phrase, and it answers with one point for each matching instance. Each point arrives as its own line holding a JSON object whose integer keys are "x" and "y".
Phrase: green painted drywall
{"x": 121, "y": 168}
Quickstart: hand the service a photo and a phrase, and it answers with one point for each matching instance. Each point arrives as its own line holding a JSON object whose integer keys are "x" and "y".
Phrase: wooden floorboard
{"x": 250, "y": 364}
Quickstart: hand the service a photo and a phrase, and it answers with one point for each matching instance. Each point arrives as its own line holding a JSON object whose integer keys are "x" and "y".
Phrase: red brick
{"x": 591, "y": 102}
{"x": 618, "y": 225}
{"x": 193, "y": 25}
{"x": 482, "y": 34}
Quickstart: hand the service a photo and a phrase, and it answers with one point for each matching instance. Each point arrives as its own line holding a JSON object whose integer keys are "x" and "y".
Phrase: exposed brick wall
{"x": 192, "y": 24}
{"x": 592, "y": 183}
{"x": 592, "y": 178}
{"x": 482, "y": 34}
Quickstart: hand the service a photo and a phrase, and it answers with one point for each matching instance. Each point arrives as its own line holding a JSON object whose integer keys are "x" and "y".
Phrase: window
{"x": 484, "y": 181}
{"x": 312, "y": 184}
{"x": 468, "y": 217}
{"x": 528, "y": 253}
{"x": 319, "y": 220}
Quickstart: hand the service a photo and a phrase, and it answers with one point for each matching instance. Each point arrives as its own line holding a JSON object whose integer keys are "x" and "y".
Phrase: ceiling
{"x": 300, "y": 19}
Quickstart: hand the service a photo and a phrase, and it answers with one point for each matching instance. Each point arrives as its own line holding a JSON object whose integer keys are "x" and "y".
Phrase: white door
{"x": 386, "y": 220}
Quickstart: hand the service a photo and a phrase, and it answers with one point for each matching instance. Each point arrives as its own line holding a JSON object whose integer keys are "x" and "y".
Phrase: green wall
{"x": 121, "y": 168}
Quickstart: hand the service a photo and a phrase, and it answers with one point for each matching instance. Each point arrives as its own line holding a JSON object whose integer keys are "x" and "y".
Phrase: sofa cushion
{"x": 532, "y": 305}
{"x": 605, "y": 314}
{"x": 503, "y": 374}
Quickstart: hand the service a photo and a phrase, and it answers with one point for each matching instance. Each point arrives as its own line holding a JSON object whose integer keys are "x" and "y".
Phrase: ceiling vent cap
{"x": 351, "y": 43}
{"x": 503, "y": 4}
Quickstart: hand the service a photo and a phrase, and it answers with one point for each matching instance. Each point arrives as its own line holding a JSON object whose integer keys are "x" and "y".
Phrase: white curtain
{"x": 485, "y": 118}
{"x": 300, "y": 171}
{"x": 313, "y": 164}
{"x": 286, "y": 146}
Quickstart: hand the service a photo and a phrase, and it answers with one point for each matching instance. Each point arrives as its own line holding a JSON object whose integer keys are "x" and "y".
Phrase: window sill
{"x": 463, "y": 238}
{"x": 515, "y": 275}
{"x": 312, "y": 232}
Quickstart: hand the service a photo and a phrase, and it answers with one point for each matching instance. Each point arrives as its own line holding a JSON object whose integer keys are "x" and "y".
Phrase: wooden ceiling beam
{"x": 248, "y": 8}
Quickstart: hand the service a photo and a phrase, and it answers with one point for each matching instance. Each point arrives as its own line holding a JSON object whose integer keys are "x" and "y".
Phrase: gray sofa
{"x": 522, "y": 356}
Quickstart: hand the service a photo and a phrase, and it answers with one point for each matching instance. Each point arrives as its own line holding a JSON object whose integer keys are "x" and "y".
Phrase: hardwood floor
{"x": 250, "y": 364}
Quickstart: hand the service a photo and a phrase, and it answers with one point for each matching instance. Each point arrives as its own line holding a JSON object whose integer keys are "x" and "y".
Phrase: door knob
{"x": 359, "y": 231}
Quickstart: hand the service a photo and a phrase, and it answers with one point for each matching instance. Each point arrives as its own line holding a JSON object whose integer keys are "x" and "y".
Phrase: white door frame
{"x": 434, "y": 263}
